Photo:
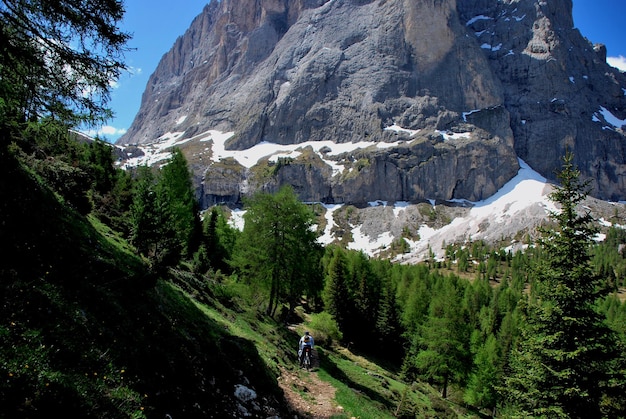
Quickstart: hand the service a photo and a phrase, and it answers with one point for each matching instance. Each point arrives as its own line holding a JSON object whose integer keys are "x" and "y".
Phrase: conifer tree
{"x": 388, "y": 327}
{"x": 277, "y": 249}
{"x": 167, "y": 247}
{"x": 211, "y": 253}
{"x": 485, "y": 376}
{"x": 336, "y": 293}
{"x": 416, "y": 306}
{"x": 152, "y": 230}
{"x": 58, "y": 58}
{"x": 143, "y": 228}
{"x": 183, "y": 206}
{"x": 441, "y": 349}
{"x": 365, "y": 289}
{"x": 99, "y": 156}
{"x": 566, "y": 362}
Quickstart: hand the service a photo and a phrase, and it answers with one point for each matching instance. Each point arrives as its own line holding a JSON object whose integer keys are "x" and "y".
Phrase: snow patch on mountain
{"x": 160, "y": 149}
{"x": 612, "y": 120}
{"x": 327, "y": 236}
{"x": 518, "y": 206}
{"x": 514, "y": 205}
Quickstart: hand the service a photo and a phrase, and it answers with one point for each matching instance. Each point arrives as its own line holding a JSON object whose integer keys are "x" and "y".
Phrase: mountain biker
{"x": 305, "y": 340}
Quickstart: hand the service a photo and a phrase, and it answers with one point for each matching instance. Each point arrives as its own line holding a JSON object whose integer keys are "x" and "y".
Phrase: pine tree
{"x": 365, "y": 289}
{"x": 99, "y": 156}
{"x": 415, "y": 310}
{"x": 336, "y": 293}
{"x": 183, "y": 205}
{"x": 481, "y": 387}
{"x": 58, "y": 58}
{"x": 167, "y": 247}
{"x": 388, "y": 329}
{"x": 565, "y": 360}
{"x": 143, "y": 228}
{"x": 152, "y": 231}
{"x": 441, "y": 349}
{"x": 277, "y": 249}
{"x": 218, "y": 240}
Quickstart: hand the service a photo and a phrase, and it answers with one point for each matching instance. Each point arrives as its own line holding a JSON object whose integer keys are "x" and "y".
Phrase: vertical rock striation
{"x": 511, "y": 78}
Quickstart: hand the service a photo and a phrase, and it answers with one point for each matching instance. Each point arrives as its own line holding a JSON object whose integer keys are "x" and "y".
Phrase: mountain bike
{"x": 306, "y": 358}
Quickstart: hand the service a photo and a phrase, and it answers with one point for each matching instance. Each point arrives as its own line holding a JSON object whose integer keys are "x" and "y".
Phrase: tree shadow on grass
{"x": 337, "y": 373}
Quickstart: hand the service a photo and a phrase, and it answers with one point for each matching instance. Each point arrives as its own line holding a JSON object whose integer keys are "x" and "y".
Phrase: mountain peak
{"x": 477, "y": 84}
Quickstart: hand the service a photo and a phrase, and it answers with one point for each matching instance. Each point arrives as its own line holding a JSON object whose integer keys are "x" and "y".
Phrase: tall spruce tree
{"x": 337, "y": 299}
{"x": 388, "y": 329}
{"x": 440, "y": 351}
{"x": 142, "y": 211}
{"x": 152, "y": 226}
{"x": 183, "y": 206}
{"x": 566, "y": 362}
{"x": 365, "y": 291}
{"x": 485, "y": 375}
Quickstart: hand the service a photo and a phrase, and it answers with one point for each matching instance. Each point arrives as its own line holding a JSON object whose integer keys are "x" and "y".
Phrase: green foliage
{"x": 179, "y": 196}
{"x": 485, "y": 375}
{"x": 282, "y": 161}
{"x": 83, "y": 334}
{"x": 326, "y": 328}
{"x": 440, "y": 352}
{"x": 99, "y": 155}
{"x": 336, "y": 294}
{"x": 113, "y": 207}
{"x": 400, "y": 245}
{"x": 387, "y": 327}
{"x": 218, "y": 241}
{"x": 461, "y": 334}
{"x": 277, "y": 250}
{"x": 565, "y": 363}
{"x": 145, "y": 222}
{"x": 165, "y": 224}
{"x": 608, "y": 258}
{"x": 414, "y": 295}
{"x": 58, "y": 59}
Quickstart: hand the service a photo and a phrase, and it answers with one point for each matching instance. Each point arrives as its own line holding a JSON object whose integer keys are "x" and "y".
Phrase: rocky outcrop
{"x": 556, "y": 85}
{"x": 479, "y": 83}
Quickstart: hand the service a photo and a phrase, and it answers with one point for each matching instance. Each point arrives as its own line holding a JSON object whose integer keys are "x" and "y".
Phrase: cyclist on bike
{"x": 305, "y": 340}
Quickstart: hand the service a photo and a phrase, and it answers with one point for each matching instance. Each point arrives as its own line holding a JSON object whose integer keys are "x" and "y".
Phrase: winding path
{"x": 308, "y": 396}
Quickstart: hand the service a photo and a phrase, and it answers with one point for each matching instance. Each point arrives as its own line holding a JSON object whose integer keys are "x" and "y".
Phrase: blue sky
{"x": 155, "y": 25}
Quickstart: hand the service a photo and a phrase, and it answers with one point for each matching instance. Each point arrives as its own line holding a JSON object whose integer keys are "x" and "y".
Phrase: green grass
{"x": 366, "y": 389}
{"x": 359, "y": 392}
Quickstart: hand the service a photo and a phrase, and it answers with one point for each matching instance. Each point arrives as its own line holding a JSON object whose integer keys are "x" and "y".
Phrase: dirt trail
{"x": 308, "y": 395}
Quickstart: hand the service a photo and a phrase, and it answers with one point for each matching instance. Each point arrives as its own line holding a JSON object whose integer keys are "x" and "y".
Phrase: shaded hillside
{"x": 87, "y": 333}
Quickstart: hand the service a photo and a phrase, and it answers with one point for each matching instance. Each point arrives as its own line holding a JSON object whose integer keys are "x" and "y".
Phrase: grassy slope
{"x": 85, "y": 333}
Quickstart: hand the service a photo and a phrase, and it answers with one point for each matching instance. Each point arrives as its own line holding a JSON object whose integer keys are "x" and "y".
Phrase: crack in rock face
{"x": 442, "y": 98}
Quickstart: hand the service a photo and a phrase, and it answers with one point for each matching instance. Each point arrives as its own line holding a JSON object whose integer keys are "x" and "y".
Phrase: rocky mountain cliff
{"x": 438, "y": 98}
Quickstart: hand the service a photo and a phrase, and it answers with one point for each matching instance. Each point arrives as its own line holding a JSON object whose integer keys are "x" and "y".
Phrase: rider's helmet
{"x": 306, "y": 333}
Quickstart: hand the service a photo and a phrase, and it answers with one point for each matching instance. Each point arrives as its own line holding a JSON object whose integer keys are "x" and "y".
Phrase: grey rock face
{"x": 555, "y": 84}
{"x": 515, "y": 76}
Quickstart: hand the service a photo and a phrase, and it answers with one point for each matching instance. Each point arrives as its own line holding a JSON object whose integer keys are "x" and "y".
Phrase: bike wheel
{"x": 307, "y": 361}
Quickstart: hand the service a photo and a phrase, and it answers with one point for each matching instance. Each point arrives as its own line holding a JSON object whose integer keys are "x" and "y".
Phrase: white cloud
{"x": 106, "y": 131}
{"x": 135, "y": 71}
{"x": 618, "y": 62}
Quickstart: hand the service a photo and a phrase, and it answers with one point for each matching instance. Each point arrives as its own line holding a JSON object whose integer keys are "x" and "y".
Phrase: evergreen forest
{"x": 121, "y": 298}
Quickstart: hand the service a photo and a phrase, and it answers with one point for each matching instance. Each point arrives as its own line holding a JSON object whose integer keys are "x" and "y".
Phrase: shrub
{"x": 326, "y": 327}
